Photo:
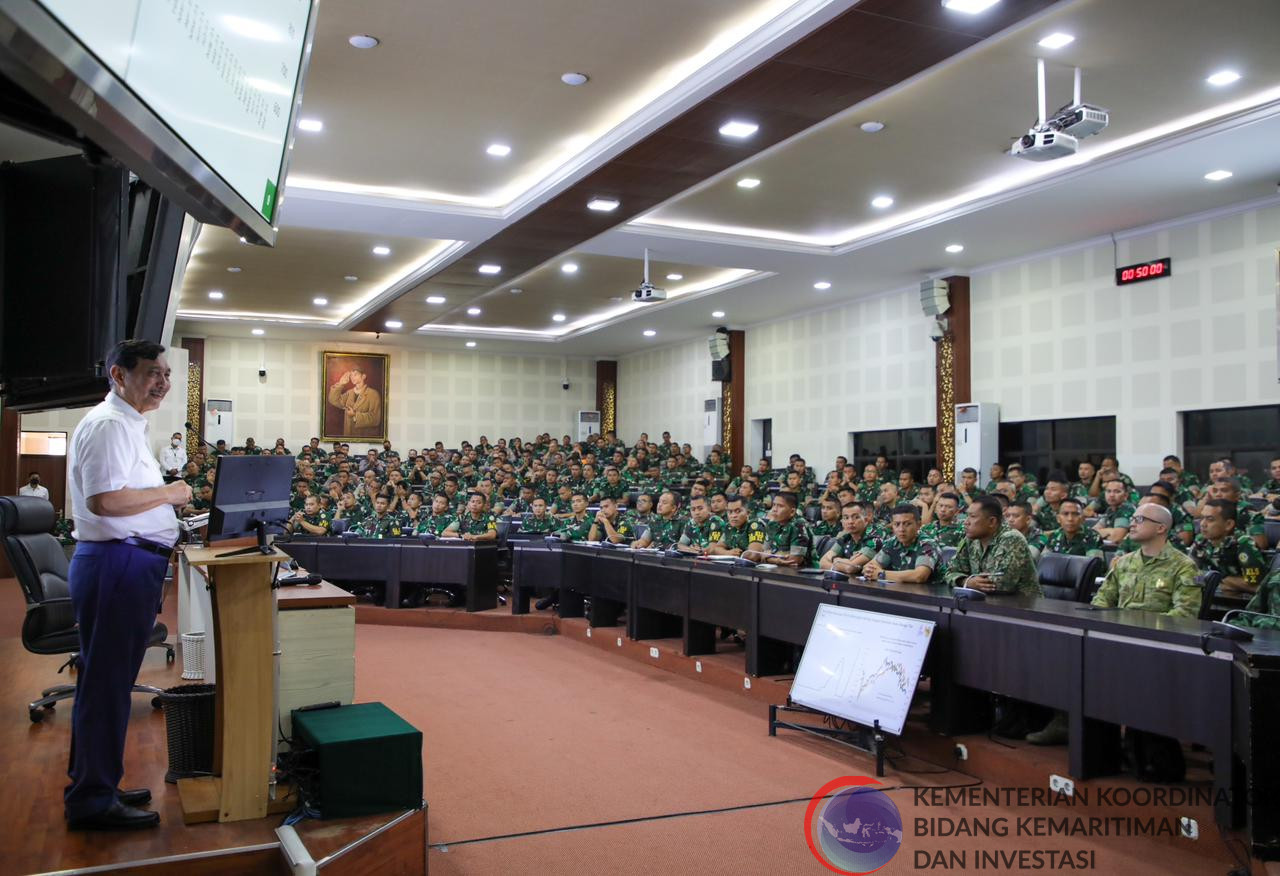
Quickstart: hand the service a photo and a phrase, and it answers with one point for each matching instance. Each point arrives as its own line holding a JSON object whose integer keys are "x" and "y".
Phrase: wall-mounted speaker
{"x": 718, "y": 344}
{"x": 935, "y": 297}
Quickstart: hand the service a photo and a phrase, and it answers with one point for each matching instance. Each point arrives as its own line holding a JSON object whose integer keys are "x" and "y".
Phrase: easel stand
{"x": 868, "y": 739}
{"x": 244, "y": 704}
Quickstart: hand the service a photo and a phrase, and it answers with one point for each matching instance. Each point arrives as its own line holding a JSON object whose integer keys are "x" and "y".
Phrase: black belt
{"x": 148, "y": 546}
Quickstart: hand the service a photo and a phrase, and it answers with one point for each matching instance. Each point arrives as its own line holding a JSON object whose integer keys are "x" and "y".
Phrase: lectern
{"x": 244, "y": 710}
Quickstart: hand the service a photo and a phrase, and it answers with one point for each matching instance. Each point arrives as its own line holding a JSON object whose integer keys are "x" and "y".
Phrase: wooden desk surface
{"x": 211, "y": 556}
{"x": 322, "y": 595}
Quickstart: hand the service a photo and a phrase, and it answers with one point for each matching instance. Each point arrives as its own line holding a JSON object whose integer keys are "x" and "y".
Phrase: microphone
{"x": 200, "y": 438}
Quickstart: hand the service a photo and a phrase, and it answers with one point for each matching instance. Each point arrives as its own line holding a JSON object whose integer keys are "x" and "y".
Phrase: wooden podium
{"x": 244, "y": 710}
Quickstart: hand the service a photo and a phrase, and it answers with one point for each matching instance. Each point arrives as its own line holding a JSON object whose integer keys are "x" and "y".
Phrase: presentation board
{"x": 862, "y": 666}
{"x": 201, "y": 94}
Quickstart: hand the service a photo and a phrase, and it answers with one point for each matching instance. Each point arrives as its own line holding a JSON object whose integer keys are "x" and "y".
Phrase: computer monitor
{"x": 250, "y": 494}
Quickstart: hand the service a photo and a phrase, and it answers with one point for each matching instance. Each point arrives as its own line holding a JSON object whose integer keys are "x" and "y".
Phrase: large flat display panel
{"x": 200, "y": 94}
{"x": 862, "y": 666}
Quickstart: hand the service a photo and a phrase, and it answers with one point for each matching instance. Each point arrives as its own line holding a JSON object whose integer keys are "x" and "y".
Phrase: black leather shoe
{"x": 134, "y": 796}
{"x": 117, "y": 817}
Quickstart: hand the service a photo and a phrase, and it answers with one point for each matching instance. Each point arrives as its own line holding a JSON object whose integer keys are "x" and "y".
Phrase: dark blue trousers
{"x": 115, "y": 592}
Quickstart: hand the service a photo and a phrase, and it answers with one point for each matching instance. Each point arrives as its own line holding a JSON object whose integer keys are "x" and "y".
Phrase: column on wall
{"x": 952, "y": 372}
{"x": 733, "y": 396}
{"x": 607, "y": 395}
{"x": 195, "y": 392}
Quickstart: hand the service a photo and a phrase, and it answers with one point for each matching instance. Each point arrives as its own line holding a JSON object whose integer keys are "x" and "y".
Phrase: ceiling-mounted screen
{"x": 198, "y": 97}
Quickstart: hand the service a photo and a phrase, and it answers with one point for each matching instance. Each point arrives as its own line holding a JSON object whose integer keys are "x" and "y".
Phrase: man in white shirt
{"x": 125, "y": 531}
{"x": 33, "y": 487}
{"x": 173, "y": 457}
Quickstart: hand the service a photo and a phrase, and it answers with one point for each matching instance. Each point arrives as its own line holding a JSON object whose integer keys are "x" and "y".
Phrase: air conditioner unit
{"x": 588, "y": 424}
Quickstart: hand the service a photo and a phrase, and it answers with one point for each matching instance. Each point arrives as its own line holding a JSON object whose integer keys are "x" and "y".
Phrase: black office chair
{"x": 1063, "y": 576}
{"x": 813, "y": 513}
{"x": 1208, "y": 582}
{"x": 949, "y": 554}
{"x": 40, "y": 565}
{"x": 824, "y": 544}
{"x": 1272, "y": 530}
{"x": 1257, "y": 502}
{"x": 339, "y": 526}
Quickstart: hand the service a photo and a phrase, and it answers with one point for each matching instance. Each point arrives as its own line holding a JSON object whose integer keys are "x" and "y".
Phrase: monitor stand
{"x": 261, "y": 547}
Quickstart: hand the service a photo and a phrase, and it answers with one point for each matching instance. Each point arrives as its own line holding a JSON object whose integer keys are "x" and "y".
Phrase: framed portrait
{"x": 353, "y": 396}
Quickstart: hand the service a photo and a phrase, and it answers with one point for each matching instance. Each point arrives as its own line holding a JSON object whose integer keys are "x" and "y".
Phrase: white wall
{"x": 1055, "y": 337}
{"x": 664, "y": 390}
{"x": 434, "y": 396}
{"x": 860, "y": 366}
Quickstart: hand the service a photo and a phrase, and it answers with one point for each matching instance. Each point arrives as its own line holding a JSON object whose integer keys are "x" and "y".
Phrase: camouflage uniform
{"x": 894, "y": 556}
{"x": 1007, "y": 553}
{"x": 1237, "y": 556}
{"x": 622, "y": 525}
{"x": 949, "y": 535}
{"x": 469, "y": 524}
{"x": 1117, "y": 518}
{"x": 822, "y": 529}
{"x": 321, "y": 519}
{"x": 433, "y": 524}
{"x": 1087, "y": 543}
{"x": 576, "y": 529}
{"x": 740, "y": 538}
{"x": 846, "y": 546}
{"x": 387, "y": 526}
{"x": 546, "y": 523}
{"x": 1165, "y": 583}
{"x": 868, "y": 492}
{"x": 1248, "y": 521}
{"x": 606, "y": 490}
{"x": 701, "y": 535}
{"x": 791, "y": 538}
{"x": 664, "y": 532}
{"x": 1265, "y": 601}
{"x": 1046, "y": 516}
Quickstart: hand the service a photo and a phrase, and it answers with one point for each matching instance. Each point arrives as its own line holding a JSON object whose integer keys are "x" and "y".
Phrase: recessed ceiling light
{"x": 569, "y": 268}
{"x": 319, "y": 302}
{"x": 648, "y": 333}
{"x": 822, "y": 285}
{"x": 1223, "y": 77}
{"x": 516, "y": 290}
{"x": 471, "y": 343}
{"x": 312, "y": 125}
{"x": 233, "y": 270}
{"x": 382, "y": 250}
{"x": 351, "y": 278}
{"x": 257, "y": 331}
{"x": 490, "y": 269}
{"x": 435, "y": 299}
{"x": 954, "y": 248}
{"x": 558, "y": 317}
{"x": 738, "y": 130}
{"x": 717, "y": 314}
{"x": 748, "y": 182}
{"x": 602, "y": 205}
{"x": 675, "y": 277}
{"x": 363, "y": 41}
{"x": 244, "y": 241}
{"x": 574, "y": 78}
{"x": 1056, "y": 40}
{"x": 394, "y": 324}
{"x": 882, "y": 202}
{"x": 216, "y": 295}
{"x": 473, "y": 311}
{"x": 972, "y": 7}
{"x": 1217, "y": 175}
{"x": 872, "y": 127}
{"x": 499, "y": 150}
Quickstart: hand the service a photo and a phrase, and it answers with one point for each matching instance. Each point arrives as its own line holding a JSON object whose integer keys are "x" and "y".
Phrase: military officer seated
{"x": 829, "y": 522}
{"x": 1071, "y": 537}
{"x": 1113, "y": 520}
{"x": 1221, "y": 548}
{"x": 855, "y": 546}
{"x": 538, "y": 519}
{"x": 310, "y": 520}
{"x": 642, "y": 513}
{"x": 382, "y": 523}
{"x": 440, "y": 518}
{"x": 665, "y": 525}
{"x": 610, "y": 525}
{"x": 739, "y": 532}
{"x": 476, "y": 524}
{"x": 906, "y": 558}
{"x": 1018, "y": 517}
{"x": 577, "y": 526}
{"x": 944, "y": 529}
{"x": 993, "y": 557}
{"x": 702, "y": 529}
{"x": 1270, "y": 488}
{"x": 1263, "y": 610}
{"x": 1045, "y": 507}
{"x": 787, "y": 541}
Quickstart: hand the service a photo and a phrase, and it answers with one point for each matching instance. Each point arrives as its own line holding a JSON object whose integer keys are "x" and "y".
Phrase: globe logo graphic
{"x": 851, "y": 827}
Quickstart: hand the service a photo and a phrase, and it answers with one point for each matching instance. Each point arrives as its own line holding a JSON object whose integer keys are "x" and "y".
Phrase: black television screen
{"x": 88, "y": 260}
{"x": 250, "y": 494}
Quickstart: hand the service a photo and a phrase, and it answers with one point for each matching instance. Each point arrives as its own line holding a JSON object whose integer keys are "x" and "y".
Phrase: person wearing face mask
{"x": 174, "y": 457}
{"x": 33, "y": 487}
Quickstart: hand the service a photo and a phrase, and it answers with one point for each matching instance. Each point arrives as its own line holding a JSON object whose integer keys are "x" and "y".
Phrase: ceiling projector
{"x": 648, "y": 293}
{"x": 1044, "y": 145}
{"x": 1059, "y": 135}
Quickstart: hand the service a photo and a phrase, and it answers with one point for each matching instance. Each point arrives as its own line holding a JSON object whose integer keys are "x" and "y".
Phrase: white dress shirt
{"x": 173, "y": 459}
{"x": 38, "y": 490}
{"x": 109, "y": 451}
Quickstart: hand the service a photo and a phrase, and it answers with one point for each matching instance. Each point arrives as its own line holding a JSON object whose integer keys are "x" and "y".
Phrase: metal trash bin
{"x": 189, "y": 728}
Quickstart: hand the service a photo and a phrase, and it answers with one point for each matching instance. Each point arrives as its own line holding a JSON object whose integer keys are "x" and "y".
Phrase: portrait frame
{"x": 335, "y": 424}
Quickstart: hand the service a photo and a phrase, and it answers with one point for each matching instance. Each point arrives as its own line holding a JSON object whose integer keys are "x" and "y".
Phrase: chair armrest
{"x": 47, "y": 618}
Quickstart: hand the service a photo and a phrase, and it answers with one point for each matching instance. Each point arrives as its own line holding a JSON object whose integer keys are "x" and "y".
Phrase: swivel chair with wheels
{"x": 40, "y": 566}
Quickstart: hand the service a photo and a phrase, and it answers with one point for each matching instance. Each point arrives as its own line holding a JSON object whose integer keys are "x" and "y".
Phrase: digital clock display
{"x": 1144, "y": 271}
